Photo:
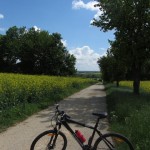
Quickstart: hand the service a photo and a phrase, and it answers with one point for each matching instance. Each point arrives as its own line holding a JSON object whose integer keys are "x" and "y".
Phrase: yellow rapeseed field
{"x": 16, "y": 88}
{"x": 144, "y": 85}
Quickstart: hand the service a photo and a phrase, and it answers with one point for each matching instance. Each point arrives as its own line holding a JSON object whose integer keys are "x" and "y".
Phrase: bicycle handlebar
{"x": 61, "y": 113}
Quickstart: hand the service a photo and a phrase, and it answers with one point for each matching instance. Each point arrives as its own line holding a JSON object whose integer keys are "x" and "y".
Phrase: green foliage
{"x": 129, "y": 113}
{"x": 130, "y": 20}
{"x": 110, "y": 68}
{"x": 35, "y": 52}
{"x": 22, "y": 95}
{"x": 145, "y": 75}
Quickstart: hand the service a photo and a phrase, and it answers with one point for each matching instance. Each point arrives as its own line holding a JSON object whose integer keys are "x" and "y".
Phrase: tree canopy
{"x": 33, "y": 51}
{"x": 130, "y": 20}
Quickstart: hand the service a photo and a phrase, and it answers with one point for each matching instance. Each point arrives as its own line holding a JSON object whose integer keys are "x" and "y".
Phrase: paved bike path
{"x": 79, "y": 106}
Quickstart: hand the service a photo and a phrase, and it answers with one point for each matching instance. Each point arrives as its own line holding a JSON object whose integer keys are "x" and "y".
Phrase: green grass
{"x": 130, "y": 114}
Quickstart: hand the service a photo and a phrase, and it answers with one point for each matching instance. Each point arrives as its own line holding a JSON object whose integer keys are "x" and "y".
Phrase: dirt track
{"x": 79, "y": 106}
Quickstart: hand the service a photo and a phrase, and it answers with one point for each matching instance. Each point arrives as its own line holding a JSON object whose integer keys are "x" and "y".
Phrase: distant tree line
{"x": 31, "y": 51}
{"x": 129, "y": 55}
{"x": 89, "y": 74}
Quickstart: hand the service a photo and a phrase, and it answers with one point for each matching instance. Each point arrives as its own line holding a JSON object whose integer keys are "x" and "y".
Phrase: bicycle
{"x": 55, "y": 139}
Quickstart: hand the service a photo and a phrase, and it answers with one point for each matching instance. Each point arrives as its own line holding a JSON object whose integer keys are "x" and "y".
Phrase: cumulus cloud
{"x": 1, "y": 16}
{"x": 86, "y": 58}
{"x": 79, "y": 4}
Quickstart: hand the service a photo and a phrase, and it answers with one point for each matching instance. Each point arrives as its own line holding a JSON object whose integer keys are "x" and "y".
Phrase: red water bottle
{"x": 80, "y": 136}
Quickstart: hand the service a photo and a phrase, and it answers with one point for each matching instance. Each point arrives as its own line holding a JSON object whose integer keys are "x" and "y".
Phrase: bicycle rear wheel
{"x": 113, "y": 141}
{"x": 49, "y": 140}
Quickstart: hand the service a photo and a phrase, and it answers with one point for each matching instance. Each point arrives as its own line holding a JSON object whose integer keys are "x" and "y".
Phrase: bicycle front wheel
{"x": 49, "y": 140}
{"x": 113, "y": 141}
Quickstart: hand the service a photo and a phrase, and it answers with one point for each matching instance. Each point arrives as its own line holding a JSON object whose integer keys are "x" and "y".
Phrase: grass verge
{"x": 130, "y": 114}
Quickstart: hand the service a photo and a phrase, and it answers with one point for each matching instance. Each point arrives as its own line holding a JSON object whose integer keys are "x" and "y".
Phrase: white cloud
{"x": 1, "y": 16}
{"x": 86, "y": 58}
{"x": 36, "y": 28}
{"x": 96, "y": 16}
{"x": 64, "y": 42}
{"x": 79, "y": 4}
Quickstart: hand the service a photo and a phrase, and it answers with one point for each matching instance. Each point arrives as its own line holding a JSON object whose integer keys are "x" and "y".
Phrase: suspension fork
{"x": 55, "y": 135}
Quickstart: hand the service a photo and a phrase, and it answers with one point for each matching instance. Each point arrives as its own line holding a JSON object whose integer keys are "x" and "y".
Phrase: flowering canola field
{"x": 18, "y": 89}
{"x": 144, "y": 85}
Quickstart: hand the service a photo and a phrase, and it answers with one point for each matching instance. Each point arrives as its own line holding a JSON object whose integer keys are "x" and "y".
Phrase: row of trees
{"x": 114, "y": 71}
{"x": 130, "y": 51}
{"x": 32, "y": 51}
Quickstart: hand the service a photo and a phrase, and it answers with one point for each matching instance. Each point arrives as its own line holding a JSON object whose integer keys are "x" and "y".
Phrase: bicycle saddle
{"x": 101, "y": 114}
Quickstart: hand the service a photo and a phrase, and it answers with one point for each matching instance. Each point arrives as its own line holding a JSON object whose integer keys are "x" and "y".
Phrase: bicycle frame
{"x": 90, "y": 140}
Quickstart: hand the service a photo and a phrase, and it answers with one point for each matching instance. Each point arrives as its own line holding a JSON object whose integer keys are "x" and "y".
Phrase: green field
{"x": 23, "y": 95}
{"x": 129, "y": 113}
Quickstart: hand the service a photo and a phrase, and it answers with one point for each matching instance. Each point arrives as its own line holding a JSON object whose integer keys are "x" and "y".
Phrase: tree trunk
{"x": 136, "y": 81}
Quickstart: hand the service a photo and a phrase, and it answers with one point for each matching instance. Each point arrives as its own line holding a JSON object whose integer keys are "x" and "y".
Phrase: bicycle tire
{"x": 45, "y": 141}
{"x": 111, "y": 141}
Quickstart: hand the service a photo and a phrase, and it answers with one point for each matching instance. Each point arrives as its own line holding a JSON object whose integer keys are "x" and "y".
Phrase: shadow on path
{"x": 81, "y": 105}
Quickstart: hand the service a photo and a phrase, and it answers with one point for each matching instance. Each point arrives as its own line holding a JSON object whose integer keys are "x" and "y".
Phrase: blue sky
{"x": 70, "y": 18}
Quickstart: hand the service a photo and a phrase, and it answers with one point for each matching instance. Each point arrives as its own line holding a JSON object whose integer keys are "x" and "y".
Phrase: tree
{"x": 1, "y": 53}
{"x": 29, "y": 51}
{"x": 106, "y": 69}
{"x": 68, "y": 64}
{"x": 146, "y": 70}
{"x": 110, "y": 68}
{"x": 33, "y": 51}
{"x": 120, "y": 68}
{"x": 131, "y": 21}
{"x": 10, "y": 46}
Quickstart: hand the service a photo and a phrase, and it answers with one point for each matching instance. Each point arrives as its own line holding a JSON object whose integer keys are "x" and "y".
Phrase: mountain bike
{"x": 56, "y": 139}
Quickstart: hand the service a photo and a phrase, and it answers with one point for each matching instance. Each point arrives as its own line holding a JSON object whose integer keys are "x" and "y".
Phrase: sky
{"x": 71, "y": 18}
